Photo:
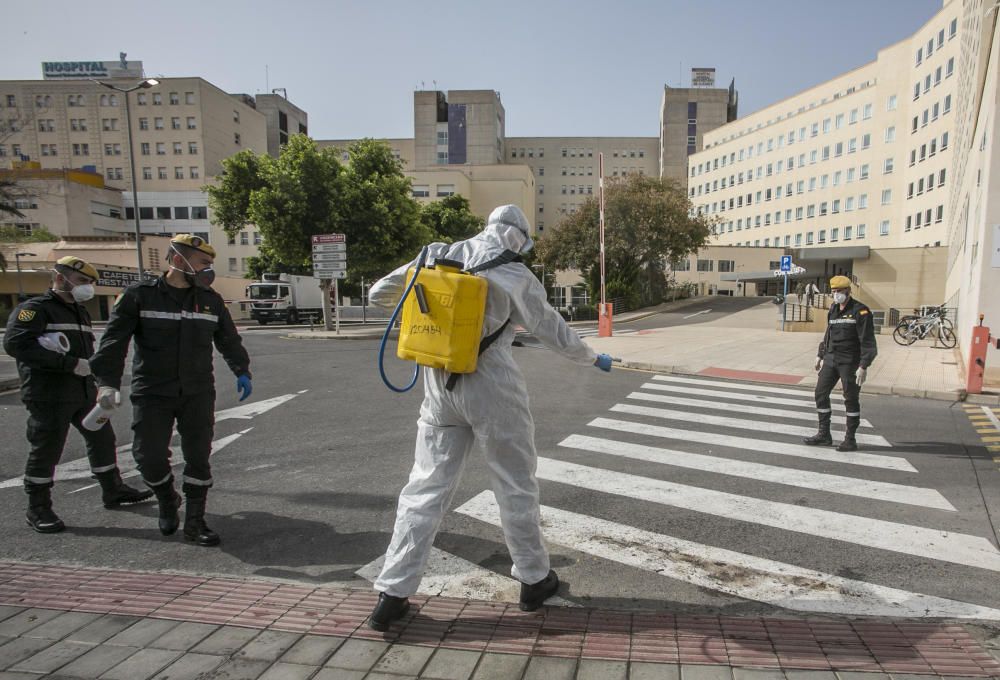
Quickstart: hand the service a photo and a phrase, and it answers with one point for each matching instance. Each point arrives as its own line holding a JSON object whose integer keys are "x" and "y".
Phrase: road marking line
{"x": 989, "y": 414}
{"x": 739, "y": 423}
{"x": 875, "y": 460}
{"x": 726, "y": 571}
{"x": 448, "y": 575}
{"x": 820, "y": 481}
{"x": 907, "y": 539}
{"x": 724, "y": 396}
{"x": 739, "y": 408}
{"x": 738, "y": 386}
{"x": 990, "y": 439}
{"x": 704, "y": 311}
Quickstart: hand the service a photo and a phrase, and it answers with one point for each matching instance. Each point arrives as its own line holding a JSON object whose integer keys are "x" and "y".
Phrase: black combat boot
{"x": 195, "y": 528}
{"x": 387, "y": 610}
{"x": 822, "y": 436}
{"x": 40, "y": 516}
{"x": 114, "y": 492}
{"x": 170, "y": 503}
{"x": 533, "y": 595}
{"x": 849, "y": 443}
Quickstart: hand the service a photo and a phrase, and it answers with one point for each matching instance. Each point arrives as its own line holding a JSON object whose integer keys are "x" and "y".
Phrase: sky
{"x": 562, "y": 67}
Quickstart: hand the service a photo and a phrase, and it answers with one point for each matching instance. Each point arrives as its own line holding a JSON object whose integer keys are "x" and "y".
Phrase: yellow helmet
{"x": 71, "y": 263}
{"x": 192, "y": 241}
{"x": 839, "y": 282}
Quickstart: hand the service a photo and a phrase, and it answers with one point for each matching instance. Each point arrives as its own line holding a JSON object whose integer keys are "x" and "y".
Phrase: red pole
{"x": 604, "y": 311}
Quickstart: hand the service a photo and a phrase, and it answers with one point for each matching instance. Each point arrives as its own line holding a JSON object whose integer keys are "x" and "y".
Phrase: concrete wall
{"x": 904, "y": 278}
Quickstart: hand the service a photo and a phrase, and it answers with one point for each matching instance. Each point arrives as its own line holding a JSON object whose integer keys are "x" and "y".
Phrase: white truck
{"x": 286, "y": 298}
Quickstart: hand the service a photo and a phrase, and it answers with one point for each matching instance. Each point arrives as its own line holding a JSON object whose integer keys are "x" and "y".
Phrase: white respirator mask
{"x": 840, "y": 298}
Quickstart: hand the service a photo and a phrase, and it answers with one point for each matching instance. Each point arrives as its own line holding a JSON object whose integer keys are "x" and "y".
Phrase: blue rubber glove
{"x": 603, "y": 362}
{"x": 243, "y": 386}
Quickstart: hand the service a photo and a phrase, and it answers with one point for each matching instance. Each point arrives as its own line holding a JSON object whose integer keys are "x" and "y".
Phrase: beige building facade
{"x": 860, "y": 159}
{"x": 63, "y": 202}
{"x": 686, "y": 116}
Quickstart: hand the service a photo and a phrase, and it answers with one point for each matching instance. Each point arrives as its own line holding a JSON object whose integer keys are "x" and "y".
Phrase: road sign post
{"x": 329, "y": 259}
{"x": 786, "y": 267}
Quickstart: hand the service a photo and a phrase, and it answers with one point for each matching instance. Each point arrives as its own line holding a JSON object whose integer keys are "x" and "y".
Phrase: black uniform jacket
{"x": 174, "y": 330}
{"x": 47, "y": 375}
{"x": 850, "y": 335}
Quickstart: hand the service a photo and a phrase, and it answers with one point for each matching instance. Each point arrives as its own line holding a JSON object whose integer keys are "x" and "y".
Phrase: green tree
{"x": 307, "y": 191}
{"x": 16, "y": 236}
{"x": 451, "y": 219}
{"x": 648, "y": 223}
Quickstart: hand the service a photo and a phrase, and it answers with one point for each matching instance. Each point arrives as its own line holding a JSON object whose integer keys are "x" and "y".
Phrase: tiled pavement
{"x": 95, "y": 623}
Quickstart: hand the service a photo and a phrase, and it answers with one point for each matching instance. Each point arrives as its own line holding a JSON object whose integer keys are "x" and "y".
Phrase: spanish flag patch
{"x": 863, "y": 311}
{"x": 26, "y": 315}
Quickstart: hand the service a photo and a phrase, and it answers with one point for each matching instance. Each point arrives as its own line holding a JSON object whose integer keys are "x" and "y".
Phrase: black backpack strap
{"x": 484, "y": 344}
{"x": 506, "y": 257}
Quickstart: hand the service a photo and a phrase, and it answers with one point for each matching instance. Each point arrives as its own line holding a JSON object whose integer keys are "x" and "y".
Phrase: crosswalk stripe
{"x": 852, "y": 486}
{"x": 739, "y": 386}
{"x": 918, "y": 541}
{"x": 738, "y": 423}
{"x": 759, "y": 445}
{"x": 448, "y": 575}
{"x": 733, "y": 396}
{"x": 739, "y": 408}
{"x": 726, "y": 571}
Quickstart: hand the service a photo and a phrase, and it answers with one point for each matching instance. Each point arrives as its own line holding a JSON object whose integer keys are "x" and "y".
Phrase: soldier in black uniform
{"x": 847, "y": 350}
{"x": 174, "y": 320}
{"x": 58, "y": 390}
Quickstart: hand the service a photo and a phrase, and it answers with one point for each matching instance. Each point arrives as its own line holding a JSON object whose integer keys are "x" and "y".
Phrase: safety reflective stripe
{"x": 197, "y": 482}
{"x": 38, "y": 480}
{"x": 69, "y": 327}
{"x": 843, "y": 320}
{"x": 177, "y": 316}
{"x": 166, "y": 479}
{"x": 103, "y": 468}
{"x": 853, "y": 415}
{"x": 824, "y": 410}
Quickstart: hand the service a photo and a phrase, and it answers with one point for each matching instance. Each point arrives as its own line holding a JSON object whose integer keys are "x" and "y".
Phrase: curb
{"x": 330, "y": 335}
{"x": 888, "y": 390}
{"x": 9, "y": 384}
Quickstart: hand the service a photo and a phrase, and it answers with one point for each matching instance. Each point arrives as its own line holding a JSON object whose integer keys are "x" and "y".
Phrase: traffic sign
{"x": 329, "y": 257}
{"x": 328, "y": 238}
{"x": 329, "y": 273}
{"x": 786, "y": 263}
{"x": 329, "y": 248}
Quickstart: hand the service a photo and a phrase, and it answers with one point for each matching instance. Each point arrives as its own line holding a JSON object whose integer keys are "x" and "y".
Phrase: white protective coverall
{"x": 489, "y": 406}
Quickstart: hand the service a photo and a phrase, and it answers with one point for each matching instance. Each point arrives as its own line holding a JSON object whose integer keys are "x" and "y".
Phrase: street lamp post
{"x": 149, "y": 82}
{"x": 17, "y": 262}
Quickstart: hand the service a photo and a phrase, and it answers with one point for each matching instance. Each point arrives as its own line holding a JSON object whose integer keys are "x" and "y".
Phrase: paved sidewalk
{"x": 746, "y": 345}
{"x": 130, "y": 625}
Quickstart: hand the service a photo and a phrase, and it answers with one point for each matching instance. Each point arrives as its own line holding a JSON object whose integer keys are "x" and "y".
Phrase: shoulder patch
{"x": 863, "y": 311}
{"x": 26, "y": 315}
{"x": 118, "y": 299}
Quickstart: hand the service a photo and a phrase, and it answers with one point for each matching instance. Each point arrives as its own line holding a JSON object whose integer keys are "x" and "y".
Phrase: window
{"x": 890, "y": 134}
{"x": 886, "y": 196}
{"x": 887, "y": 167}
{"x": 244, "y": 238}
{"x": 941, "y": 178}
{"x": 909, "y": 223}
{"x": 834, "y": 234}
{"x": 178, "y": 148}
{"x": 161, "y": 173}
{"x": 864, "y": 171}
{"x": 421, "y": 191}
{"x": 936, "y": 111}
{"x": 862, "y": 201}
{"x": 681, "y": 265}
{"x": 916, "y": 91}
{"x": 847, "y": 232}
{"x": 920, "y": 55}
{"x": 189, "y": 97}
{"x": 809, "y": 238}
{"x": 839, "y": 121}
{"x": 705, "y": 265}
{"x": 162, "y": 213}
{"x": 850, "y": 175}
{"x": 191, "y": 125}
{"x": 727, "y": 266}
{"x": 883, "y": 229}
{"x": 193, "y": 148}
{"x": 952, "y": 28}
{"x": 950, "y": 71}
{"x": 939, "y": 214}
{"x": 866, "y": 112}
{"x": 826, "y": 153}
{"x": 140, "y": 98}
{"x": 232, "y": 264}
{"x": 161, "y": 149}
{"x": 836, "y": 178}
{"x": 147, "y": 173}
{"x": 174, "y": 99}
{"x": 193, "y": 172}
{"x": 178, "y": 173}
{"x": 814, "y": 130}
{"x": 947, "y": 103}
{"x": 890, "y": 105}
{"x": 157, "y": 99}
{"x": 158, "y": 123}
{"x": 175, "y": 123}
{"x": 182, "y": 214}
{"x": 822, "y": 209}
{"x": 937, "y": 76}
{"x": 199, "y": 212}
{"x": 236, "y": 138}
{"x": 826, "y": 125}
{"x": 144, "y": 148}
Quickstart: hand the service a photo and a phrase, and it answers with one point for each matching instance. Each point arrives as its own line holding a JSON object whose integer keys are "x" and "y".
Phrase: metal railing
{"x": 794, "y": 312}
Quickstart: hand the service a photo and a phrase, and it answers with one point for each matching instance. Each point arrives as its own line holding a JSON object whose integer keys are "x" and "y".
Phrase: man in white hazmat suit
{"x": 489, "y": 406}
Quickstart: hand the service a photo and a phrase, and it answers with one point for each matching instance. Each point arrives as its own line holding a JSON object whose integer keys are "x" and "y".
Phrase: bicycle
{"x": 913, "y": 328}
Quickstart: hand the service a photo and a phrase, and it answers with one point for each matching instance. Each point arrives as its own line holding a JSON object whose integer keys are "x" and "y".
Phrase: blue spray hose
{"x": 388, "y": 328}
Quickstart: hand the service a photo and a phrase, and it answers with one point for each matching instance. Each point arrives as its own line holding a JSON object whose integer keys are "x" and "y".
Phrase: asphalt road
{"x": 722, "y": 512}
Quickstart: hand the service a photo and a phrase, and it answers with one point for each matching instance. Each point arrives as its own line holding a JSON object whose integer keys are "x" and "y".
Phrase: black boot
{"x": 532, "y": 596}
{"x": 387, "y": 610}
{"x": 170, "y": 503}
{"x": 40, "y": 516}
{"x": 822, "y": 436}
{"x": 195, "y": 528}
{"x": 114, "y": 492}
{"x": 849, "y": 443}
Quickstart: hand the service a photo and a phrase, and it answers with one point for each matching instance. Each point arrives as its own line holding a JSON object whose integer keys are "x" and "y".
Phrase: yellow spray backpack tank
{"x": 442, "y": 318}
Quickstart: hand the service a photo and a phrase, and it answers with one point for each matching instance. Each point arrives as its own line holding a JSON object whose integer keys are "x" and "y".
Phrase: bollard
{"x": 604, "y": 320}
{"x": 977, "y": 358}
